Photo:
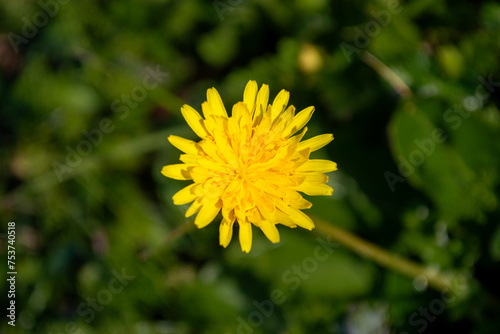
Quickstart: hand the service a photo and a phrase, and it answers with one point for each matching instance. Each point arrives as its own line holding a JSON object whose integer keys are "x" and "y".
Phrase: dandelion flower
{"x": 250, "y": 165}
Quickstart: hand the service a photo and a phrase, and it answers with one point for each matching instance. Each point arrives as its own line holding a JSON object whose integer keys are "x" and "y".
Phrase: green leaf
{"x": 427, "y": 158}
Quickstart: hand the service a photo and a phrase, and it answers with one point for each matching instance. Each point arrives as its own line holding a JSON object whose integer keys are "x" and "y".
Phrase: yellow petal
{"x": 287, "y": 117}
{"x": 265, "y": 206}
{"x": 207, "y": 110}
{"x": 299, "y": 121}
{"x": 270, "y": 189}
{"x": 212, "y": 165}
{"x": 211, "y": 191}
{"x": 213, "y": 123}
{"x": 207, "y": 213}
{"x": 178, "y": 171}
{"x": 279, "y": 103}
{"x": 195, "y": 206}
{"x": 293, "y": 198}
{"x": 222, "y": 141}
{"x": 194, "y": 120}
{"x": 190, "y": 159}
{"x": 200, "y": 174}
{"x": 318, "y": 165}
{"x": 315, "y": 143}
{"x": 314, "y": 189}
{"x": 284, "y": 219}
{"x": 302, "y": 219}
{"x": 262, "y": 100}
{"x": 225, "y": 232}
{"x": 185, "y": 195}
{"x": 250, "y": 95}
{"x": 316, "y": 178}
{"x": 301, "y": 135}
{"x": 300, "y": 202}
{"x": 215, "y": 101}
{"x": 245, "y": 236}
{"x": 239, "y": 109}
{"x": 297, "y": 216}
{"x": 211, "y": 149}
{"x": 183, "y": 144}
{"x": 270, "y": 231}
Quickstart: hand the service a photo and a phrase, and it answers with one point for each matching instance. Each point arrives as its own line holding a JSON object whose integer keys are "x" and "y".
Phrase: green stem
{"x": 387, "y": 74}
{"x": 435, "y": 279}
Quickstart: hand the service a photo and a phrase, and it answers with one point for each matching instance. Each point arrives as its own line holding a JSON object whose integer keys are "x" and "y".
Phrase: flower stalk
{"x": 438, "y": 280}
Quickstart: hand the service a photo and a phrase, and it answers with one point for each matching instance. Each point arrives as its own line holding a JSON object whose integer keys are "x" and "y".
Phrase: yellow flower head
{"x": 250, "y": 165}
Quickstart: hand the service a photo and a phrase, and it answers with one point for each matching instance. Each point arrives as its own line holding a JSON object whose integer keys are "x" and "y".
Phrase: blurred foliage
{"x": 432, "y": 198}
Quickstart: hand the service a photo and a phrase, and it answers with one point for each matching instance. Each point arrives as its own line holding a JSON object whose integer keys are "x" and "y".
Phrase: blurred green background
{"x": 90, "y": 90}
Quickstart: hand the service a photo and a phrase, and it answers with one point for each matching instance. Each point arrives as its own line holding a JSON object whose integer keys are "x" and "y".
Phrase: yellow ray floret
{"x": 250, "y": 166}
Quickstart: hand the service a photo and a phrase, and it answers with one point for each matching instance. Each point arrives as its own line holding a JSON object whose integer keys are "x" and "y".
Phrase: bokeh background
{"x": 91, "y": 89}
